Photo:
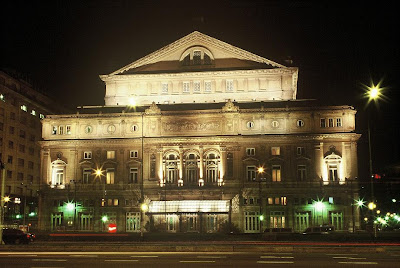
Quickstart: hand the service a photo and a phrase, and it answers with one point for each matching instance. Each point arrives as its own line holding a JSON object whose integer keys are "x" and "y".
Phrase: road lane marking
{"x": 49, "y": 260}
{"x": 349, "y": 258}
{"x": 196, "y": 261}
{"x": 211, "y": 257}
{"x": 342, "y": 254}
{"x": 276, "y": 257}
{"x": 84, "y": 255}
{"x": 144, "y": 256}
{"x": 122, "y": 260}
{"x": 276, "y": 262}
{"x": 361, "y": 262}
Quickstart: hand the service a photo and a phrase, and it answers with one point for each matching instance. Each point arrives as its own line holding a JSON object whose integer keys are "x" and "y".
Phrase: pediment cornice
{"x": 200, "y": 39}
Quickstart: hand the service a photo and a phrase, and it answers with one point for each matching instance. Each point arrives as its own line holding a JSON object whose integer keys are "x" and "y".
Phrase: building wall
{"x": 226, "y": 133}
{"x": 21, "y": 110}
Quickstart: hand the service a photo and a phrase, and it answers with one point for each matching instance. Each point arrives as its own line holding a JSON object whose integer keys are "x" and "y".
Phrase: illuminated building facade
{"x": 21, "y": 109}
{"x": 210, "y": 137}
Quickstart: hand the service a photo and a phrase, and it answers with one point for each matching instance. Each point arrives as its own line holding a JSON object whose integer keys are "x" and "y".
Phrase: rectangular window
{"x": 277, "y": 219}
{"x": 301, "y": 172}
{"x": 30, "y": 164}
{"x": 330, "y": 122}
{"x": 22, "y": 148}
{"x": 196, "y": 86}
{"x": 31, "y": 151}
{"x": 133, "y": 175}
{"x": 250, "y": 151}
{"x": 276, "y": 173}
{"x": 10, "y": 159}
{"x": 251, "y": 173}
{"x": 275, "y": 150}
{"x": 22, "y": 134}
{"x": 133, "y": 154}
{"x": 86, "y": 175}
{"x": 24, "y": 108}
{"x": 207, "y": 86}
{"x": 110, "y": 174}
{"x": 186, "y": 87}
{"x": 61, "y": 130}
{"x": 20, "y": 176}
{"x": 110, "y": 154}
{"x": 164, "y": 88}
{"x": 21, "y": 162}
{"x": 196, "y": 57}
{"x": 10, "y": 144}
{"x": 277, "y": 200}
{"x": 300, "y": 151}
{"x": 333, "y": 172}
{"x": 323, "y": 123}
{"x": 68, "y": 129}
{"x": 12, "y": 116}
{"x": 229, "y": 85}
{"x": 32, "y": 137}
{"x": 270, "y": 201}
{"x": 54, "y": 130}
{"x": 11, "y": 130}
{"x": 133, "y": 221}
{"x": 283, "y": 200}
{"x": 87, "y": 155}
{"x": 338, "y": 122}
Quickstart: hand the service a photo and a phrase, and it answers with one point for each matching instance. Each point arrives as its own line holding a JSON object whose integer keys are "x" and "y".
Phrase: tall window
{"x": 338, "y": 122}
{"x": 211, "y": 168}
{"x": 164, "y": 88}
{"x": 229, "y": 85}
{"x": 133, "y": 154}
{"x": 171, "y": 168}
{"x": 196, "y": 57}
{"x": 276, "y": 173}
{"x": 330, "y": 122}
{"x": 186, "y": 87}
{"x": 68, "y": 129}
{"x": 86, "y": 175}
{"x": 191, "y": 168}
{"x": 323, "y": 122}
{"x": 133, "y": 175}
{"x": 333, "y": 172}
{"x": 251, "y": 173}
{"x": 301, "y": 172}
{"x": 110, "y": 175}
{"x": 110, "y": 154}
{"x": 277, "y": 219}
{"x": 207, "y": 86}
{"x": 58, "y": 172}
{"x": 196, "y": 86}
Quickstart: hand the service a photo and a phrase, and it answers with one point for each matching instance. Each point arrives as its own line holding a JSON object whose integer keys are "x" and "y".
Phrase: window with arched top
{"x": 58, "y": 168}
{"x": 196, "y": 55}
{"x": 211, "y": 163}
{"x": 333, "y": 167}
{"x": 191, "y": 168}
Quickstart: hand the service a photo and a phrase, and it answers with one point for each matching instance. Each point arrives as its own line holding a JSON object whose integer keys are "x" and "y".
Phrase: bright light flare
{"x": 98, "y": 172}
{"x": 371, "y": 206}
{"x": 6, "y": 199}
{"x": 360, "y": 203}
{"x": 374, "y": 92}
{"x": 70, "y": 206}
{"x": 319, "y": 205}
{"x": 144, "y": 207}
{"x": 260, "y": 170}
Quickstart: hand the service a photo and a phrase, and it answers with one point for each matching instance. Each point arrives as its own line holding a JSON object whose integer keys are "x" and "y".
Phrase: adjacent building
{"x": 21, "y": 110}
{"x": 210, "y": 138}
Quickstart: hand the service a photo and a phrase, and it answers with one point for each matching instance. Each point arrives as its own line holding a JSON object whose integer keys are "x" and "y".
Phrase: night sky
{"x": 63, "y": 46}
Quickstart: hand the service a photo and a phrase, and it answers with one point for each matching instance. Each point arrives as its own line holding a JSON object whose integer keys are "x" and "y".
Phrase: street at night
{"x": 224, "y": 133}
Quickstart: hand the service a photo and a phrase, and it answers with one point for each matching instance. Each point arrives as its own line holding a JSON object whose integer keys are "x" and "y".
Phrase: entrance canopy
{"x": 192, "y": 206}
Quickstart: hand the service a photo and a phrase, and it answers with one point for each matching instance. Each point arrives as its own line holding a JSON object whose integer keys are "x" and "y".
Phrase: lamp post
{"x": 260, "y": 171}
{"x": 143, "y": 209}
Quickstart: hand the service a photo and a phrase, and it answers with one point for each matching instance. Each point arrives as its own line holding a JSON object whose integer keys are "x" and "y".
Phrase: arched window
{"x": 212, "y": 161}
{"x": 58, "y": 168}
{"x": 333, "y": 168}
{"x": 192, "y": 169}
{"x": 196, "y": 55}
{"x": 171, "y": 168}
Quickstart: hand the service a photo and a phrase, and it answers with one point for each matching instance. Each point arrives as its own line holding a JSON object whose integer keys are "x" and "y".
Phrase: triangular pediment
{"x": 223, "y": 56}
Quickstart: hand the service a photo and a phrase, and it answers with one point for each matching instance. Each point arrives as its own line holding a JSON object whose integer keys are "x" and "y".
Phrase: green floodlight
{"x": 32, "y": 214}
{"x": 70, "y": 206}
{"x": 261, "y": 217}
{"x": 18, "y": 216}
{"x": 319, "y": 205}
{"x": 104, "y": 218}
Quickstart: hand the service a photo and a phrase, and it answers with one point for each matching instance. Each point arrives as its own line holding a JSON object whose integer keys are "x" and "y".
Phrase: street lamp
{"x": 143, "y": 209}
{"x": 260, "y": 171}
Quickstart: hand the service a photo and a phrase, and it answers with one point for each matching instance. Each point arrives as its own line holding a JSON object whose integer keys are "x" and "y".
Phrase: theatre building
{"x": 200, "y": 136}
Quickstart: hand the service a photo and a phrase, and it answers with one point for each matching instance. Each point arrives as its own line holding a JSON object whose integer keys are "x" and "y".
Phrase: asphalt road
{"x": 197, "y": 259}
